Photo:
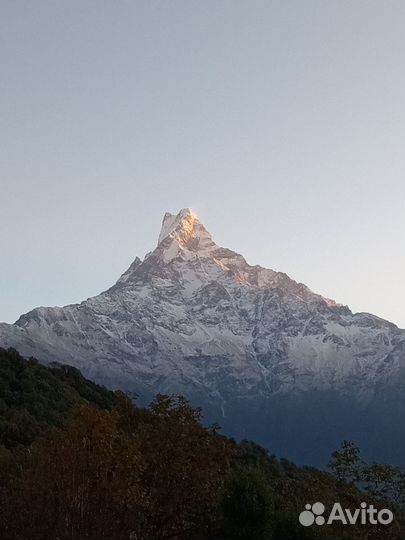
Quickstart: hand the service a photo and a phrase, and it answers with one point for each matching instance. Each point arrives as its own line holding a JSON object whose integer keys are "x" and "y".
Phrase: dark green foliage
{"x": 345, "y": 462}
{"x": 117, "y": 475}
{"x": 80, "y": 462}
{"x": 247, "y": 505}
{"x": 289, "y": 488}
{"x": 34, "y": 397}
{"x": 384, "y": 481}
{"x": 378, "y": 479}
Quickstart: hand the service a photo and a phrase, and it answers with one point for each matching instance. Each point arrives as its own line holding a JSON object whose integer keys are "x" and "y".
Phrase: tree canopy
{"x": 78, "y": 462}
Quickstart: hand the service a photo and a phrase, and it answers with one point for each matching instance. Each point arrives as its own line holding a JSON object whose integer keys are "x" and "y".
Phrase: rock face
{"x": 263, "y": 355}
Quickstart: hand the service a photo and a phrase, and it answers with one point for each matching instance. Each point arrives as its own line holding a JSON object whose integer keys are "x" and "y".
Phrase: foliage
{"x": 34, "y": 398}
{"x": 345, "y": 463}
{"x": 378, "y": 479}
{"x": 78, "y": 462}
{"x": 76, "y": 482}
{"x": 119, "y": 474}
{"x": 247, "y": 505}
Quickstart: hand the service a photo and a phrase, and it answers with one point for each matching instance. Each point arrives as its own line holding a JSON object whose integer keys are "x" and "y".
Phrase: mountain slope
{"x": 34, "y": 398}
{"x": 266, "y": 357}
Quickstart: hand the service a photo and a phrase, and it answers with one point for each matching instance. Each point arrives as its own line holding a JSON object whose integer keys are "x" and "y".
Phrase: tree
{"x": 120, "y": 474}
{"x": 78, "y": 482}
{"x": 185, "y": 465}
{"x": 345, "y": 463}
{"x": 247, "y": 505}
{"x": 384, "y": 481}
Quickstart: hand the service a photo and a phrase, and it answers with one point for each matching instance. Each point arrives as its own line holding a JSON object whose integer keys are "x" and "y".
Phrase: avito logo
{"x": 367, "y": 514}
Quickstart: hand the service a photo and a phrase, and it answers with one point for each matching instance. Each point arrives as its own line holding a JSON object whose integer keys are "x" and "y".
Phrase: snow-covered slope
{"x": 265, "y": 356}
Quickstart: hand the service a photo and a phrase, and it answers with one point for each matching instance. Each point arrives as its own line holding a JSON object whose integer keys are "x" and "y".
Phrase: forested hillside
{"x": 79, "y": 462}
{"x": 34, "y": 397}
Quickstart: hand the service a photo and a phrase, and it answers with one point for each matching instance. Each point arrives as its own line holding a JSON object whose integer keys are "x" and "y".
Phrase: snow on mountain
{"x": 264, "y": 355}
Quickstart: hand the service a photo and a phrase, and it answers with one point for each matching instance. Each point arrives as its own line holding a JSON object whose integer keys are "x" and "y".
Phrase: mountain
{"x": 265, "y": 357}
{"x": 35, "y": 398}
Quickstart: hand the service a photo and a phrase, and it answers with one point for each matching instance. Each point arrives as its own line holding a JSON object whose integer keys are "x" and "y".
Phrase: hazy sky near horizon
{"x": 280, "y": 123}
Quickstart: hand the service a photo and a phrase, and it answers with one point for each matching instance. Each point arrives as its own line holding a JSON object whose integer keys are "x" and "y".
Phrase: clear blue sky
{"x": 280, "y": 123}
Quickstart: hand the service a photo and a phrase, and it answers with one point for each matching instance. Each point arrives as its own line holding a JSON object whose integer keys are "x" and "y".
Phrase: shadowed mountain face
{"x": 263, "y": 355}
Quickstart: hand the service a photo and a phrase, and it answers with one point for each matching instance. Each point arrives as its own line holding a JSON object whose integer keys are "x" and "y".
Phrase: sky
{"x": 279, "y": 122}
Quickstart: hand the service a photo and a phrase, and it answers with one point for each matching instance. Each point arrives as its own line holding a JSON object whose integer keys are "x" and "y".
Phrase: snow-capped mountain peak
{"x": 184, "y": 220}
{"x": 184, "y": 232}
{"x": 249, "y": 344}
